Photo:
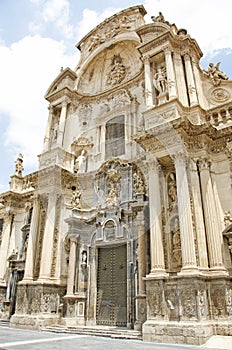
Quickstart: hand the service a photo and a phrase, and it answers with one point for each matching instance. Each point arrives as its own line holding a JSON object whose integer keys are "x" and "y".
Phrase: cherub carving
{"x": 215, "y": 74}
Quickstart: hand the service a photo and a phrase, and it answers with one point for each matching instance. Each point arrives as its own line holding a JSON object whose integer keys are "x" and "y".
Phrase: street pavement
{"x": 18, "y": 339}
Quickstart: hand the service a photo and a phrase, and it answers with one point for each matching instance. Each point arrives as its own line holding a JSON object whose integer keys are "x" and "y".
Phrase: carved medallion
{"x": 220, "y": 95}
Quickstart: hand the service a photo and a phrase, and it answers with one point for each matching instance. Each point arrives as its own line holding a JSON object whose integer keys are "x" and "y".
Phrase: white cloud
{"x": 54, "y": 12}
{"x": 32, "y": 64}
{"x": 207, "y": 21}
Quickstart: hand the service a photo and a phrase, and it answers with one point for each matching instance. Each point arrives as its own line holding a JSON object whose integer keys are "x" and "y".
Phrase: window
{"x": 115, "y": 137}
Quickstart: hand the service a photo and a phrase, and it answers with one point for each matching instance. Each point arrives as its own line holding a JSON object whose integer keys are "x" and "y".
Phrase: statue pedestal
{"x": 162, "y": 98}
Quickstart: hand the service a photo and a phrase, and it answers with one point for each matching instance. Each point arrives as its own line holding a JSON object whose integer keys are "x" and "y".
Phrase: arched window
{"x": 115, "y": 137}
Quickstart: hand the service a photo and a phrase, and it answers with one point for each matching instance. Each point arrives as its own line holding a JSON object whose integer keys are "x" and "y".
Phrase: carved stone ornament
{"x": 19, "y": 165}
{"x": 118, "y": 71}
{"x": 220, "y": 95}
{"x": 215, "y": 74}
{"x": 138, "y": 182}
{"x": 81, "y": 143}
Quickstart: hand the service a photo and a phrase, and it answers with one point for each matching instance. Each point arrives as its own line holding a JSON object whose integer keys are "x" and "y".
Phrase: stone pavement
{"x": 21, "y": 339}
{"x": 219, "y": 342}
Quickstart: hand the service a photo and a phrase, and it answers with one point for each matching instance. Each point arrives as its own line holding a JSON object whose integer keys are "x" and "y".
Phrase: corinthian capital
{"x": 179, "y": 158}
{"x": 203, "y": 164}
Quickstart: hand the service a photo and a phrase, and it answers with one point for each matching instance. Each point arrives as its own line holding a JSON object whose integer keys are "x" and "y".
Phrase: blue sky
{"x": 37, "y": 37}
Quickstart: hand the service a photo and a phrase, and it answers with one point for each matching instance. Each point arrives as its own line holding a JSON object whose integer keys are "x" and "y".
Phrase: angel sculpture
{"x": 215, "y": 74}
{"x": 160, "y": 81}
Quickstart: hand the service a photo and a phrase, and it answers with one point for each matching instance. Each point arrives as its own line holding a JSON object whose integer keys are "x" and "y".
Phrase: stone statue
{"x": 172, "y": 193}
{"x": 215, "y": 74}
{"x": 138, "y": 183}
{"x": 160, "y": 81}
{"x": 80, "y": 163}
{"x": 76, "y": 197}
{"x": 19, "y": 165}
{"x": 159, "y": 18}
{"x": 118, "y": 72}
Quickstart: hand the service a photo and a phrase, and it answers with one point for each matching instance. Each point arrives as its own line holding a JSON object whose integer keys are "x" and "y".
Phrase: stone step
{"x": 102, "y": 331}
{"x": 4, "y": 322}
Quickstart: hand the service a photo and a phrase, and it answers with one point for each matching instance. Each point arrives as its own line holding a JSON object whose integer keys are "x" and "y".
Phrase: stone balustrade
{"x": 220, "y": 118}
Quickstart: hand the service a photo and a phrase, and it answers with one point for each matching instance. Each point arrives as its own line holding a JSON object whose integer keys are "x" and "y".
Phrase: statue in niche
{"x": 76, "y": 198}
{"x": 113, "y": 183}
{"x": 176, "y": 243}
{"x": 215, "y": 74}
{"x": 172, "y": 193}
{"x": 160, "y": 80}
{"x": 54, "y": 132}
{"x": 138, "y": 183}
{"x": 118, "y": 72}
{"x": 19, "y": 165}
{"x": 80, "y": 163}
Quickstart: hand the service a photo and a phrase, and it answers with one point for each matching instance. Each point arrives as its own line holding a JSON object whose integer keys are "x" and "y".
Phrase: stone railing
{"x": 220, "y": 118}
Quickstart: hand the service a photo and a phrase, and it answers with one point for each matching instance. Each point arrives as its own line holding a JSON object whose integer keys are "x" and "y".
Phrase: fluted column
{"x": 47, "y": 248}
{"x": 141, "y": 253}
{"x": 190, "y": 80}
{"x": 31, "y": 250}
{"x": 185, "y": 215}
{"x": 156, "y": 240}
{"x": 63, "y": 114}
{"x": 171, "y": 81}
{"x": 103, "y": 142}
{"x": 4, "y": 250}
{"x": 148, "y": 83}
{"x": 181, "y": 85}
{"x": 72, "y": 264}
{"x": 199, "y": 218}
{"x": 210, "y": 214}
{"x": 48, "y": 129}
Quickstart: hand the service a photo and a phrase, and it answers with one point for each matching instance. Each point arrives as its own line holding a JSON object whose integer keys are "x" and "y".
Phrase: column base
{"x": 219, "y": 271}
{"x": 189, "y": 271}
{"x": 157, "y": 273}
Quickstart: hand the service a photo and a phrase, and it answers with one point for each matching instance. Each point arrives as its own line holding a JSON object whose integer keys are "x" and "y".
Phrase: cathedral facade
{"x": 127, "y": 221}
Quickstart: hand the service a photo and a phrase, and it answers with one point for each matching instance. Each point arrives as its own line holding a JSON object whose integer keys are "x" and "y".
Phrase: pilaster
{"x": 185, "y": 216}
{"x": 156, "y": 240}
{"x": 211, "y": 222}
{"x": 171, "y": 81}
{"x": 31, "y": 250}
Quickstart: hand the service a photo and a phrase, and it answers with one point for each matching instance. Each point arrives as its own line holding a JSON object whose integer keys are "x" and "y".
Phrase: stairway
{"x": 102, "y": 331}
{"x": 4, "y": 322}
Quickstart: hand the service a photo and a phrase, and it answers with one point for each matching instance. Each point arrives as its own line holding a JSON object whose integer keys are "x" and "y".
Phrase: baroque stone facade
{"x": 127, "y": 220}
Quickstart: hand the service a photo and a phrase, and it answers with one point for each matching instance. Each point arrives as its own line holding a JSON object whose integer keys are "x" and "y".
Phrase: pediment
{"x": 66, "y": 78}
{"x": 111, "y": 68}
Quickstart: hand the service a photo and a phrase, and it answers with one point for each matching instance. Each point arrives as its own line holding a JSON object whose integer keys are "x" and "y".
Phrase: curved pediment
{"x": 122, "y": 22}
{"x": 112, "y": 67}
{"x": 66, "y": 78}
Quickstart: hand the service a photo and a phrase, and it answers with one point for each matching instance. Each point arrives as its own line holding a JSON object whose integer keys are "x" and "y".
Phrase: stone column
{"x": 190, "y": 81}
{"x": 48, "y": 129}
{"x": 185, "y": 215}
{"x": 210, "y": 214}
{"x": 72, "y": 264}
{"x": 156, "y": 239}
{"x": 103, "y": 141}
{"x": 141, "y": 253}
{"x": 61, "y": 128}
{"x": 4, "y": 250}
{"x": 198, "y": 81}
{"x": 181, "y": 84}
{"x": 31, "y": 250}
{"x": 47, "y": 247}
{"x": 171, "y": 81}
{"x": 148, "y": 84}
{"x": 199, "y": 218}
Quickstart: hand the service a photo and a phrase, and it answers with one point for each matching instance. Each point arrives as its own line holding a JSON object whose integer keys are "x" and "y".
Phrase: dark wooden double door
{"x": 112, "y": 286}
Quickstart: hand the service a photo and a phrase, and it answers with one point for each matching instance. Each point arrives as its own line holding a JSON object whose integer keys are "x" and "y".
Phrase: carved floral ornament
{"x": 220, "y": 95}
